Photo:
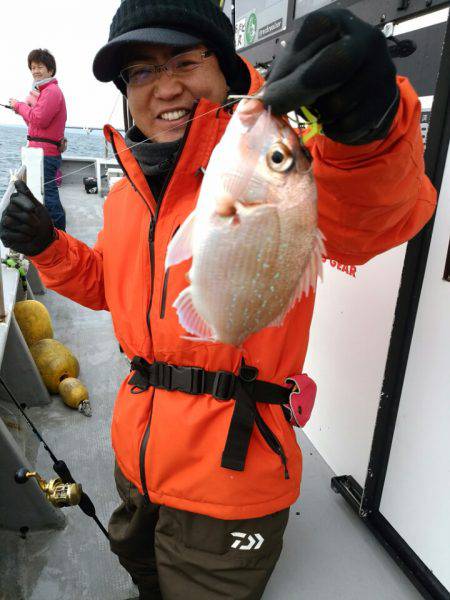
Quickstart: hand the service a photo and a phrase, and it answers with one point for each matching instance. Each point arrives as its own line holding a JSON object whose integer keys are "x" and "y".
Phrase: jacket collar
{"x": 42, "y": 85}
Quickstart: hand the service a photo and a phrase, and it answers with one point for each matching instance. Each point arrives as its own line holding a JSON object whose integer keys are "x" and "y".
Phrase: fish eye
{"x": 279, "y": 158}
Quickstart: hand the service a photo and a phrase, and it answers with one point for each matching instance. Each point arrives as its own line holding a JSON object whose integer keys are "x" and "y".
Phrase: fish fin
{"x": 308, "y": 279}
{"x": 319, "y": 252}
{"x": 188, "y": 316}
{"x": 180, "y": 246}
{"x": 314, "y": 269}
{"x": 191, "y": 338}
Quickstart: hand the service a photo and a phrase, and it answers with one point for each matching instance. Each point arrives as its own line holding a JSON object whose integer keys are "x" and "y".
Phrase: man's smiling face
{"x": 161, "y": 107}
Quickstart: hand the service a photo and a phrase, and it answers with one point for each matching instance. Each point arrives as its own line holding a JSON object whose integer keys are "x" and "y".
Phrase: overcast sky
{"x": 72, "y": 31}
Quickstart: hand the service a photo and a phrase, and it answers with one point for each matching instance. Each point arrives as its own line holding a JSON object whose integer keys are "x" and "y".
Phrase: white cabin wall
{"x": 347, "y": 354}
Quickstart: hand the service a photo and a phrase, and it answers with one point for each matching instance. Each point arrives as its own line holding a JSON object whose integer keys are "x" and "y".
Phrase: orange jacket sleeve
{"x": 74, "y": 270}
{"x": 376, "y": 196}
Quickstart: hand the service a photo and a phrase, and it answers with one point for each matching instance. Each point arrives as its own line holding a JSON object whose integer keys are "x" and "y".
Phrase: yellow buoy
{"x": 75, "y": 395}
{"x": 55, "y": 362}
{"x": 34, "y": 321}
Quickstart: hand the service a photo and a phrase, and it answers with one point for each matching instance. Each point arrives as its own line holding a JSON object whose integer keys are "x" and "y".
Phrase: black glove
{"x": 26, "y": 225}
{"x": 340, "y": 67}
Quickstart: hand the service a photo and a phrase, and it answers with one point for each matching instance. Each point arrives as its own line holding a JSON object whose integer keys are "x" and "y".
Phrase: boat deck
{"x": 328, "y": 552}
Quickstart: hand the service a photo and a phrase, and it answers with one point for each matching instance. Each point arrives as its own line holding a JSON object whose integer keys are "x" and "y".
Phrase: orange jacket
{"x": 370, "y": 199}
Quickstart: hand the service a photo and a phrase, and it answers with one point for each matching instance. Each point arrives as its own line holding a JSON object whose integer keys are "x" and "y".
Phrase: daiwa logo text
{"x": 247, "y": 542}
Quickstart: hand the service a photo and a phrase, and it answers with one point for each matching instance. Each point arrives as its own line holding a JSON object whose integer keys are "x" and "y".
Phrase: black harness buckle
{"x": 190, "y": 380}
{"x": 223, "y": 386}
{"x": 197, "y": 380}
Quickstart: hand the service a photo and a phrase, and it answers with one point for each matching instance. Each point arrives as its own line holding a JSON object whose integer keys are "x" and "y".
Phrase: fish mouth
{"x": 228, "y": 207}
{"x": 238, "y": 210}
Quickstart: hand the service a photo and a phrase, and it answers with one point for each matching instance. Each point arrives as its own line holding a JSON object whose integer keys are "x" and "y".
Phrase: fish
{"x": 253, "y": 236}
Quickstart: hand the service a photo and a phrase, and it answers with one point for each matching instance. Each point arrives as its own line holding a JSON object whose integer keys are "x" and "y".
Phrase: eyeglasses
{"x": 137, "y": 75}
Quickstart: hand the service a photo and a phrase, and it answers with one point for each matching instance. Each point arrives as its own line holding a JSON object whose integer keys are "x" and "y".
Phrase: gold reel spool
{"x": 57, "y": 493}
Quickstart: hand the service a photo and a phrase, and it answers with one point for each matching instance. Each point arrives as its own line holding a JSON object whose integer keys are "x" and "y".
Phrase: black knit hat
{"x": 172, "y": 22}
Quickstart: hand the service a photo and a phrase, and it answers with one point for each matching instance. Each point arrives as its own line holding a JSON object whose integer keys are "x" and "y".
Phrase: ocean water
{"x": 13, "y": 137}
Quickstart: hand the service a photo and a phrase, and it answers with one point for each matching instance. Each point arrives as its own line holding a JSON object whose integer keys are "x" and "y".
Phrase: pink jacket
{"x": 47, "y": 118}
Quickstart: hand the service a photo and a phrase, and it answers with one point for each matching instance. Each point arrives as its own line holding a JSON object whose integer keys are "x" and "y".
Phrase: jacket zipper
{"x": 162, "y": 313}
{"x": 151, "y": 239}
{"x": 153, "y": 223}
{"x": 151, "y": 243}
{"x": 142, "y": 450}
{"x": 152, "y": 259}
{"x": 272, "y": 441}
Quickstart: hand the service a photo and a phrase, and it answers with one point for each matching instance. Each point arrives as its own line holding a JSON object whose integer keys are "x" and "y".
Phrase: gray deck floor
{"x": 328, "y": 553}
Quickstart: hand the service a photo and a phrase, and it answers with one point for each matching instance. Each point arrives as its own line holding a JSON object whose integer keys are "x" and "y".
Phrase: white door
{"x": 416, "y": 495}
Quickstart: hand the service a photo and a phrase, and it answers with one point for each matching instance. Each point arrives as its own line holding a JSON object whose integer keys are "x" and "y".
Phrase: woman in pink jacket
{"x": 44, "y": 111}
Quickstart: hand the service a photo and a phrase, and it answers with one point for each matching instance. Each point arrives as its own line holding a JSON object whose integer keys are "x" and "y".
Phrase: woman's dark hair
{"x": 41, "y": 55}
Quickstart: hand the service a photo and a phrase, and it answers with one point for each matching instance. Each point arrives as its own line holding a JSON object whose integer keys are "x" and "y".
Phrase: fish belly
{"x": 244, "y": 275}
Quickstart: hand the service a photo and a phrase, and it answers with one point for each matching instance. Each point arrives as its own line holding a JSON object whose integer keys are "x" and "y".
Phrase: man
{"x": 199, "y": 481}
{"x": 45, "y": 114}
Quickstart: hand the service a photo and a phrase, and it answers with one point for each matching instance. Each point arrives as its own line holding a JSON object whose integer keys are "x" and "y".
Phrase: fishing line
{"x": 149, "y": 138}
{"x": 114, "y": 107}
{"x": 235, "y": 98}
{"x": 59, "y": 466}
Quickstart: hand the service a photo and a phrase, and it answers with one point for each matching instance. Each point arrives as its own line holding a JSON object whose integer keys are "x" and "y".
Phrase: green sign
{"x": 251, "y": 28}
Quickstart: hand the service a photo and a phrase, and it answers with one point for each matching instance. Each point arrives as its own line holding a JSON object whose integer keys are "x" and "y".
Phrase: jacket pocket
{"x": 272, "y": 442}
{"x": 162, "y": 312}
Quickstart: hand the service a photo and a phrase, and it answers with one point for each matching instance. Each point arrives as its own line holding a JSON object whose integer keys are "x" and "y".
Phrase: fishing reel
{"x": 57, "y": 492}
{"x": 63, "y": 490}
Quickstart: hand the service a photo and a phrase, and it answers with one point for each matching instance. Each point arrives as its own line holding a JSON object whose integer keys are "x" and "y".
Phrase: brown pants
{"x": 178, "y": 555}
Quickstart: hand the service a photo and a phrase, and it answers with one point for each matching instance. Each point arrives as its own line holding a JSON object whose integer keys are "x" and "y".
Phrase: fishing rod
{"x": 63, "y": 491}
{"x": 6, "y": 106}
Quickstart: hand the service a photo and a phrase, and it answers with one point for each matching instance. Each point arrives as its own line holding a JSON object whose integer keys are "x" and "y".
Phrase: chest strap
{"x": 244, "y": 388}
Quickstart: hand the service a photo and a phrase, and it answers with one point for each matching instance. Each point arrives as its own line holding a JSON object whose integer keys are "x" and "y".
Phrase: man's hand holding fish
{"x": 338, "y": 66}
